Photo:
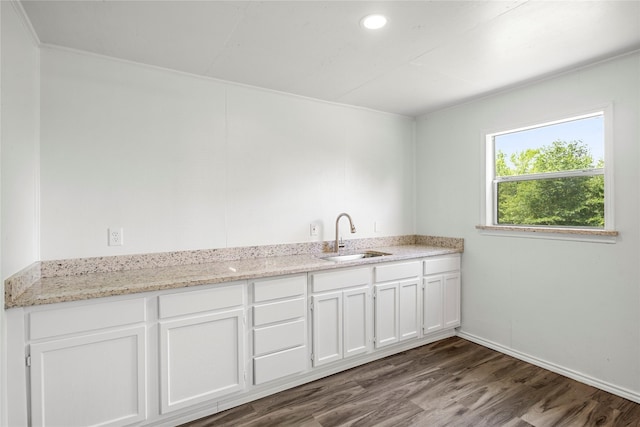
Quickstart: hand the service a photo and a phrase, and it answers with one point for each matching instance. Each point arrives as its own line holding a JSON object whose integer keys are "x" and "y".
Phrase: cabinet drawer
{"x": 384, "y": 273}
{"x": 278, "y": 365}
{"x": 441, "y": 264}
{"x": 340, "y": 279}
{"x": 283, "y": 287}
{"x": 191, "y": 302}
{"x": 278, "y": 311}
{"x": 278, "y": 337}
{"x": 90, "y": 317}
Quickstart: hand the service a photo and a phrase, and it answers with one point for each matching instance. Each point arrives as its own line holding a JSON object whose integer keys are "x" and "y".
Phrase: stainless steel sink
{"x": 353, "y": 257}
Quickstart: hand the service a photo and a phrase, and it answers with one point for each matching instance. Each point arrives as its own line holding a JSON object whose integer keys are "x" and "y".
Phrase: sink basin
{"x": 353, "y": 257}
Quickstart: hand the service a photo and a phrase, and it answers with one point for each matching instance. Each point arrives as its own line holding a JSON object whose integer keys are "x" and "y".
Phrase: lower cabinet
{"x": 451, "y": 300}
{"x": 340, "y": 322}
{"x": 69, "y": 388}
{"x": 340, "y": 317}
{"x": 97, "y": 363}
{"x": 409, "y": 312}
{"x": 396, "y": 312}
{"x": 433, "y": 299}
{"x": 279, "y": 328}
{"x": 327, "y": 313}
{"x": 202, "y": 354}
{"x": 356, "y": 313}
{"x": 441, "y": 294}
{"x": 387, "y": 308}
{"x": 397, "y": 303}
{"x": 81, "y": 377}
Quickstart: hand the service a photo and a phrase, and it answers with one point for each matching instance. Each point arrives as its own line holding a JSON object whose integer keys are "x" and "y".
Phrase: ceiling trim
{"x": 217, "y": 80}
{"x": 532, "y": 81}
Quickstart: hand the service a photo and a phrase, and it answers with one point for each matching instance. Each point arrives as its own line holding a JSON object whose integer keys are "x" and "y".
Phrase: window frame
{"x": 490, "y": 181}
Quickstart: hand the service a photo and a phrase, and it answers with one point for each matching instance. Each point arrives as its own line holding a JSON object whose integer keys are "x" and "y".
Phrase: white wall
{"x": 20, "y": 146}
{"x": 572, "y": 304}
{"x": 19, "y": 109}
{"x": 182, "y": 162}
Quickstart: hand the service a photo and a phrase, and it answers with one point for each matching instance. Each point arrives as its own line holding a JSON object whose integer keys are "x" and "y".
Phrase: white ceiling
{"x": 431, "y": 54}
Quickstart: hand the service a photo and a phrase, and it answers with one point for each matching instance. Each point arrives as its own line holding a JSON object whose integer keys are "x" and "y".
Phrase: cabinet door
{"x": 96, "y": 379}
{"x": 327, "y": 328}
{"x": 452, "y": 300}
{"x": 356, "y": 315}
{"x": 202, "y": 358}
{"x": 386, "y": 317}
{"x": 409, "y": 309}
{"x": 433, "y": 316}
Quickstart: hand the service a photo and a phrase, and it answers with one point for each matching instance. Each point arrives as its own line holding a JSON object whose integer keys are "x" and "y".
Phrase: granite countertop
{"x": 48, "y": 290}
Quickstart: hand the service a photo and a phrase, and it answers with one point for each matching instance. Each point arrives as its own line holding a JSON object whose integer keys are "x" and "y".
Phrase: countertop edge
{"x": 148, "y": 280}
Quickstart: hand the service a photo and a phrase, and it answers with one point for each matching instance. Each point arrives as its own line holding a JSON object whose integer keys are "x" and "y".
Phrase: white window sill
{"x": 555, "y": 233}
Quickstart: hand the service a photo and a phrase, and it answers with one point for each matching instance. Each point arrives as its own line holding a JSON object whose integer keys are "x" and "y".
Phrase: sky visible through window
{"x": 589, "y": 130}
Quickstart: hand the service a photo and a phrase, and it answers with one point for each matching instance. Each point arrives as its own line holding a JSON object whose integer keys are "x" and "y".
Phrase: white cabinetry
{"x": 441, "y": 293}
{"x": 279, "y": 328}
{"x": 341, "y": 314}
{"x": 386, "y": 314}
{"x": 166, "y": 357}
{"x": 327, "y": 322}
{"x": 356, "y": 305}
{"x": 451, "y": 303}
{"x": 433, "y": 313}
{"x": 88, "y": 364}
{"x": 397, "y": 302}
{"x": 202, "y": 353}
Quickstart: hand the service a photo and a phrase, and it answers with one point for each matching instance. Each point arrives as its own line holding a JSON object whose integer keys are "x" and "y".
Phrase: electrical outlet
{"x": 313, "y": 229}
{"x": 115, "y": 236}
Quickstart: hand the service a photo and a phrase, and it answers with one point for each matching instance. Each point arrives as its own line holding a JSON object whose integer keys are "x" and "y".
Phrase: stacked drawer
{"x": 279, "y": 328}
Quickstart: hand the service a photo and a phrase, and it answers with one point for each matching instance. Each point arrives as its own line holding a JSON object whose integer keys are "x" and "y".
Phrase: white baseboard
{"x": 569, "y": 373}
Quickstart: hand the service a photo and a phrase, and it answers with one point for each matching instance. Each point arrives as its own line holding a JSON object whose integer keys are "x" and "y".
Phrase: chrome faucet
{"x": 339, "y": 244}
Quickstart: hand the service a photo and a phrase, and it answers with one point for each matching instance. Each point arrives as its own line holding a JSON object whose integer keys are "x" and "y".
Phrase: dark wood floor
{"x": 449, "y": 383}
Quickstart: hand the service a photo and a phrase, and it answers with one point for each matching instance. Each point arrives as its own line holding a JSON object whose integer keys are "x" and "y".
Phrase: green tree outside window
{"x": 573, "y": 201}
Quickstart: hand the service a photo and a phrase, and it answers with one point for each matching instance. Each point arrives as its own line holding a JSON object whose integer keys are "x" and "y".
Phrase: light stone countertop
{"x": 49, "y": 290}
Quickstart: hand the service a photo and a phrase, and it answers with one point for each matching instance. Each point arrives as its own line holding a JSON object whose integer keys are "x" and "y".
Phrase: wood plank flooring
{"x": 452, "y": 382}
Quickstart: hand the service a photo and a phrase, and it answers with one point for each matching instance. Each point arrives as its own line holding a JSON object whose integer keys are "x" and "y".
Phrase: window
{"x": 550, "y": 175}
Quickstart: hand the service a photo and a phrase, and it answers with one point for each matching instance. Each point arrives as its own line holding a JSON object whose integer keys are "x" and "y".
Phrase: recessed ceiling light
{"x": 374, "y": 22}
